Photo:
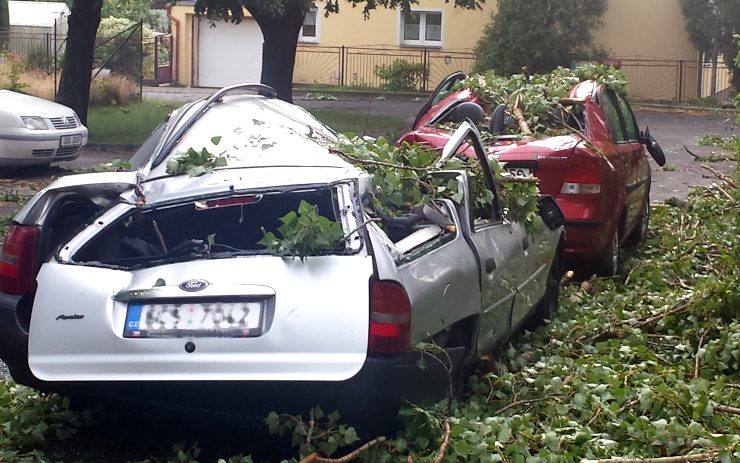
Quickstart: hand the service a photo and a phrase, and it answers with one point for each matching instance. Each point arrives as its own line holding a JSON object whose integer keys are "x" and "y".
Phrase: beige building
{"x": 647, "y": 37}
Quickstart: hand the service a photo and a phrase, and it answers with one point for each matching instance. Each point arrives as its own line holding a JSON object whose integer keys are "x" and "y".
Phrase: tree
{"x": 4, "y": 24}
{"x": 281, "y": 21}
{"x": 711, "y": 25}
{"x": 538, "y": 34}
{"x": 74, "y": 84}
{"x": 134, "y": 10}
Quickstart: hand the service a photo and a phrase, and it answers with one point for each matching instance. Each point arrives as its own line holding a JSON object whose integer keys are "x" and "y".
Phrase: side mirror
{"x": 467, "y": 111}
{"x": 497, "y": 120}
{"x": 653, "y": 147}
{"x": 550, "y": 212}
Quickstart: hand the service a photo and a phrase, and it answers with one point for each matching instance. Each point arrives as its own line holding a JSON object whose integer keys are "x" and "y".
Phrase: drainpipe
{"x": 175, "y": 43}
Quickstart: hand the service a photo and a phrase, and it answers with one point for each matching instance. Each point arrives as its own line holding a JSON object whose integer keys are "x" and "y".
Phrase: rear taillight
{"x": 390, "y": 317}
{"x": 583, "y": 177}
{"x": 18, "y": 264}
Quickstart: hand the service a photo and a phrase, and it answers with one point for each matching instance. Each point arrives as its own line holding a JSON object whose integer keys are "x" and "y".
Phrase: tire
{"x": 639, "y": 234}
{"x": 548, "y": 305}
{"x": 608, "y": 265}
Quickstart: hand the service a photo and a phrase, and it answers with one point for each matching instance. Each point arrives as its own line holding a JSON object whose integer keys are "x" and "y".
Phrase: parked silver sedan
{"x": 34, "y": 131}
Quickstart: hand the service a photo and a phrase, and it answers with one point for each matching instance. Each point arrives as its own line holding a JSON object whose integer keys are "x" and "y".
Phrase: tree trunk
{"x": 74, "y": 84}
{"x": 4, "y": 25}
{"x": 278, "y": 52}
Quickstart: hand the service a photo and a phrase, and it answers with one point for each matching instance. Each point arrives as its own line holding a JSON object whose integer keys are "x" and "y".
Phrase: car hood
{"x": 27, "y": 105}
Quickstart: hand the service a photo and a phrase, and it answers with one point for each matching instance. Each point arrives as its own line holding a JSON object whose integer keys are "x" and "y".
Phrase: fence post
{"x": 55, "y": 60}
{"x": 141, "y": 60}
{"x": 425, "y": 65}
{"x": 156, "y": 59}
{"x": 680, "y": 81}
{"x": 699, "y": 76}
{"x": 342, "y": 65}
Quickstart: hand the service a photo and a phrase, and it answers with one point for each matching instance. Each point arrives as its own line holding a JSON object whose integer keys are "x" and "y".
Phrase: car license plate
{"x": 71, "y": 140}
{"x": 519, "y": 171}
{"x": 236, "y": 319}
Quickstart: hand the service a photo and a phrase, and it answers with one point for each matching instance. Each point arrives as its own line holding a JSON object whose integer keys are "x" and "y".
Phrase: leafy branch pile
{"x": 196, "y": 163}
{"x": 540, "y": 94}
{"x": 402, "y": 180}
{"x": 648, "y": 367}
{"x": 304, "y": 232}
{"x": 28, "y": 418}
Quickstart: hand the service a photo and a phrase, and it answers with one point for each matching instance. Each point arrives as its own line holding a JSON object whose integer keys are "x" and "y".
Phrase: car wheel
{"x": 548, "y": 305}
{"x": 639, "y": 234}
{"x": 608, "y": 266}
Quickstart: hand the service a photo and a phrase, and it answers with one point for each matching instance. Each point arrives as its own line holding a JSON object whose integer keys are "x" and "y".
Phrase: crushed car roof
{"x": 255, "y": 131}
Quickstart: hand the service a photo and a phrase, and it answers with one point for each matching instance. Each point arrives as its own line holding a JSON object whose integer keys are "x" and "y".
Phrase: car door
{"x": 499, "y": 249}
{"x": 439, "y": 92}
{"x": 622, "y": 147}
{"x": 638, "y": 182}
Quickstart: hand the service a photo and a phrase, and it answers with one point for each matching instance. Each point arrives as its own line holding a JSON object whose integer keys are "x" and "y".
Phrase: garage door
{"x": 229, "y": 53}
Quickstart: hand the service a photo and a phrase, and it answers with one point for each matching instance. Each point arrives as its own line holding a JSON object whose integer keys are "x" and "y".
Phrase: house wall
{"x": 181, "y": 19}
{"x": 647, "y": 36}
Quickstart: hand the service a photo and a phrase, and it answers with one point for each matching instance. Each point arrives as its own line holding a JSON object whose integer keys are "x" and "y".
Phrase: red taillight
{"x": 18, "y": 264}
{"x": 583, "y": 177}
{"x": 390, "y": 317}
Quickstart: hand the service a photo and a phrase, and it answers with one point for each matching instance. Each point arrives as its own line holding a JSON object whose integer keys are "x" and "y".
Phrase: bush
{"x": 112, "y": 90}
{"x": 401, "y": 75}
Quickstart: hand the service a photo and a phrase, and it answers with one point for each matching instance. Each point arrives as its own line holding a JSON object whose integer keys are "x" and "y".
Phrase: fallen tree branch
{"x": 445, "y": 443}
{"x": 697, "y": 362}
{"x": 519, "y": 116}
{"x": 517, "y": 403}
{"x": 315, "y": 458}
{"x": 708, "y": 456}
{"x": 720, "y": 175}
{"x": 726, "y": 409}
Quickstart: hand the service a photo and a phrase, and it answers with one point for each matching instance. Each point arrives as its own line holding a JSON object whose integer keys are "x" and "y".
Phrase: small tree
{"x": 711, "y": 25}
{"x": 538, "y": 34}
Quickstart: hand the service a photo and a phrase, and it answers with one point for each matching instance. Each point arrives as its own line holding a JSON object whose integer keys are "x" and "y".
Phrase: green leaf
{"x": 216, "y": 140}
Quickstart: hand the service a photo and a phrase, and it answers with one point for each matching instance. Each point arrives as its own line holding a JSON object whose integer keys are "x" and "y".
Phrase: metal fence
{"x": 34, "y": 59}
{"x": 356, "y": 66}
{"x": 665, "y": 80}
{"x": 648, "y": 79}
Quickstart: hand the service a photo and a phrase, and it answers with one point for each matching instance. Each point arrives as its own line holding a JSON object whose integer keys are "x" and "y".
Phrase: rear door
{"x": 638, "y": 183}
{"x": 625, "y": 169}
{"x": 115, "y": 307}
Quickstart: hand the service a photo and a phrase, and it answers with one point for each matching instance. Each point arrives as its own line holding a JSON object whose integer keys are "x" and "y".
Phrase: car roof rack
{"x": 259, "y": 89}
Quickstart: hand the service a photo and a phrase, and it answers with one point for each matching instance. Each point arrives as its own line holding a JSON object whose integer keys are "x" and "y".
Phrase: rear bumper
{"x": 586, "y": 240}
{"x": 371, "y": 398}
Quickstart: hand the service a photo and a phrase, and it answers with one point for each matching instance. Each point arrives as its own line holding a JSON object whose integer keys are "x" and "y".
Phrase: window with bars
{"x": 421, "y": 28}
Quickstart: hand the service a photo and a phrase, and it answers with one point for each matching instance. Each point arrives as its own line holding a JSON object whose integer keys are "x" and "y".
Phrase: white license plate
{"x": 237, "y": 319}
{"x": 71, "y": 140}
{"x": 519, "y": 171}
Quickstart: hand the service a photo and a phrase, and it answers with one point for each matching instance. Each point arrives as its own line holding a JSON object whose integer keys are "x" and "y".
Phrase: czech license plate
{"x": 519, "y": 171}
{"x": 71, "y": 140}
{"x": 240, "y": 319}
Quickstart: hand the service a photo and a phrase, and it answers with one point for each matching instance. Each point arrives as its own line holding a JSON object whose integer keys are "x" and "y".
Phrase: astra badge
{"x": 192, "y": 286}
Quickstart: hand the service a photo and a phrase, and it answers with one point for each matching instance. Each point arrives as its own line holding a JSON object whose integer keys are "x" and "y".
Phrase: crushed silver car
{"x": 147, "y": 281}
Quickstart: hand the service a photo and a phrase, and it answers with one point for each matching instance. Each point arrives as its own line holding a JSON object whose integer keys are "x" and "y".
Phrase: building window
{"x": 421, "y": 28}
{"x": 310, "y": 29}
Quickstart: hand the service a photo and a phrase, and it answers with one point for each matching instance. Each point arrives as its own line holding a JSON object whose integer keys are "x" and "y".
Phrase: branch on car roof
{"x": 369, "y": 162}
{"x": 519, "y": 115}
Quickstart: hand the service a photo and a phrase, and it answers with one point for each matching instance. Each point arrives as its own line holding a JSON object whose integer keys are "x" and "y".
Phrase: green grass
{"x": 375, "y": 125}
{"x": 130, "y": 124}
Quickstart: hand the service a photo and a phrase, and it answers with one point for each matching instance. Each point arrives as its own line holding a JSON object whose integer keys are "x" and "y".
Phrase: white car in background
{"x": 34, "y": 131}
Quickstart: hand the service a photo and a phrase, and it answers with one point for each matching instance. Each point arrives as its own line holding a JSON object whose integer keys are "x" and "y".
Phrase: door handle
{"x": 525, "y": 243}
{"x": 490, "y": 265}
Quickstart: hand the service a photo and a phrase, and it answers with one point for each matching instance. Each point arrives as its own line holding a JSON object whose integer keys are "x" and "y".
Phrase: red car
{"x": 598, "y": 173}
